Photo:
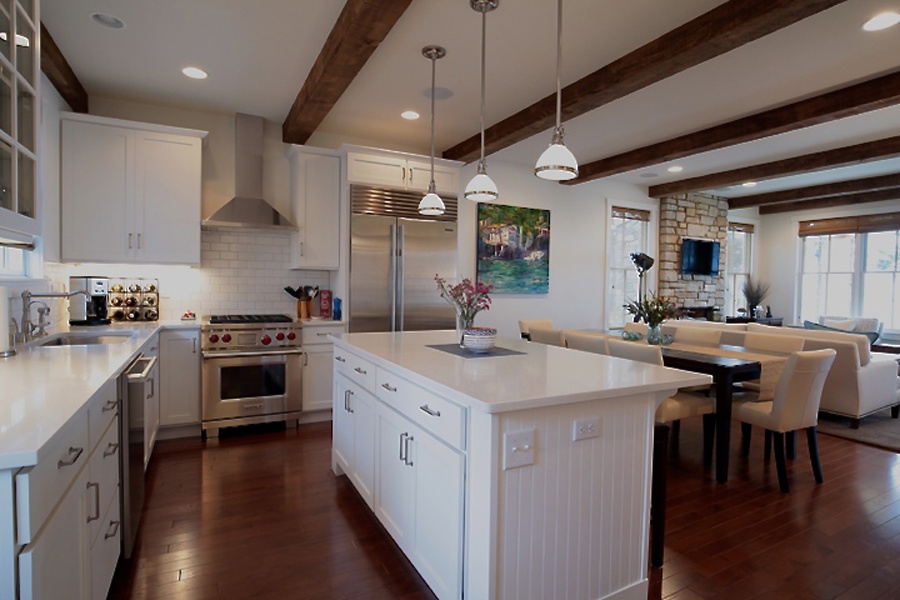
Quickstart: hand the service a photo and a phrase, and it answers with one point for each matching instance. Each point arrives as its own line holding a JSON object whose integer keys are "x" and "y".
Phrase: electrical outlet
{"x": 583, "y": 429}
{"x": 518, "y": 449}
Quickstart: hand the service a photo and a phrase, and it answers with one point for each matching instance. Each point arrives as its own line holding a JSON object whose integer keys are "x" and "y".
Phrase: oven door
{"x": 249, "y": 384}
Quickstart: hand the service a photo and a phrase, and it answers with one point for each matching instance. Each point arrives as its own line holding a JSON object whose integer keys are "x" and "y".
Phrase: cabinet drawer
{"x": 103, "y": 481}
{"x": 433, "y": 413}
{"x": 318, "y": 334}
{"x": 105, "y": 552}
{"x": 40, "y": 487}
{"x": 358, "y": 370}
{"x": 102, "y": 409}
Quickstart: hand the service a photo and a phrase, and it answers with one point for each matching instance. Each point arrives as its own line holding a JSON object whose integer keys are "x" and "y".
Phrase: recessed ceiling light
{"x": 881, "y": 21}
{"x": 749, "y": 184}
{"x": 410, "y": 115}
{"x": 194, "y": 73}
{"x": 108, "y": 21}
{"x": 649, "y": 175}
{"x": 675, "y": 169}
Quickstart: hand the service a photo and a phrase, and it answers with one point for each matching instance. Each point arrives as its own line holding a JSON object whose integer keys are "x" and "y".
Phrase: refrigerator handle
{"x": 392, "y": 276}
{"x": 398, "y": 286}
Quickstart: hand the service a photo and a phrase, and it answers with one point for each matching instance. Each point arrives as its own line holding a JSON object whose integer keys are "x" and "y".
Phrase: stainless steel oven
{"x": 252, "y": 371}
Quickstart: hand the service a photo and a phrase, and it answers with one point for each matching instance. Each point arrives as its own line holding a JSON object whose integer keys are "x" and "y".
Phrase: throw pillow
{"x": 872, "y": 335}
{"x": 842, "y": 324}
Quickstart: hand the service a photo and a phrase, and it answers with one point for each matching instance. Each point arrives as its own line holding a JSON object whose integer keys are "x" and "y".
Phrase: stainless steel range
{"x": 252, "y": 367}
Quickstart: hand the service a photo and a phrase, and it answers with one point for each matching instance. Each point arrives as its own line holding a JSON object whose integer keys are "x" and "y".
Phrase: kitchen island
{"x": 520, "y": 474}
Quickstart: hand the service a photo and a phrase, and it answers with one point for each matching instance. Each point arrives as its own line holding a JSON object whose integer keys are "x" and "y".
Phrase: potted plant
{"x": 653, "y": 309}
{"x": 754, "y": 293}
{"x": 467, "y": 299}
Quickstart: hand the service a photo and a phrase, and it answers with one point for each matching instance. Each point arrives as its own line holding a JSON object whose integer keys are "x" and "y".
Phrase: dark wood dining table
{"x": 725, "y": 371}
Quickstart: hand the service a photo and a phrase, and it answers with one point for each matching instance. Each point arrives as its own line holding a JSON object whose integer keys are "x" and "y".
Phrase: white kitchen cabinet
{"x": 406, "y": 172}
{"x": 354, "y": 435}
{"x": 316, "y": 202}
{"x": 130, "y": 192}
{"x": 151, "y": 401}
{"x": 317, "y": 363}
{"x": 179, "y": 377}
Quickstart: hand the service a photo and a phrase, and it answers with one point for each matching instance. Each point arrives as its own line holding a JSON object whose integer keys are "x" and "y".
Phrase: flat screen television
{"x": 699, "y": 257}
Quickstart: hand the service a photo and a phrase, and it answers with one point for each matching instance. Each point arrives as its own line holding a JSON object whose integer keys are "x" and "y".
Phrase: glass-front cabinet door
{"x": 19, "y": 98}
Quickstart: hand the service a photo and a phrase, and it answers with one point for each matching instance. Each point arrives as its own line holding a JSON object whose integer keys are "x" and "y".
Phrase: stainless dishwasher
{"x": 131, "y": 435}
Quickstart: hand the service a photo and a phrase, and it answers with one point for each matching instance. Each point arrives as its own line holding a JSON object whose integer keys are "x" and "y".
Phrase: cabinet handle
{"x": 340, "y": 359}
{"x": 110, "y": 405}
{"x": 360, "y": 370}
{"x": 194, "y": 346}
{"x": 430, "y": 411}
{"x": 404, "y": 173}
{"x": 347, "y": 395}
{"x": 322, "y": 334}
{"x": 139, "y": 241}
{"x": 130, "y": 237}
{"x": 72, "y": 457}
{"x": 388, "y": 387}
{"x": 403, "y": 448}
{"x": 408, "y": 461}
{"x": 96, "y": 487}
{"x": 114, "y": 529}
{"x": 111, "y": 449}
{"x": 152, "y": 388}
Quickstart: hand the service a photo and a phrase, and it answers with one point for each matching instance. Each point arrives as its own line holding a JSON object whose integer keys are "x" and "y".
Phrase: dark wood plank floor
{"x": 260, "y": 515}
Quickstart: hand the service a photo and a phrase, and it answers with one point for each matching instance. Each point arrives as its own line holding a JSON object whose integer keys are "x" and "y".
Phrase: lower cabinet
{"x": 151, "y": 402}
{"x": 354, "y": 435}
{"x": 318, "y": 372}
{"x": 179, "y": 377}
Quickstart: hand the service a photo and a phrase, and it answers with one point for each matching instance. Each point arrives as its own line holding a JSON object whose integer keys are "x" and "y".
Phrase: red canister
{"x": 325, "y": 303}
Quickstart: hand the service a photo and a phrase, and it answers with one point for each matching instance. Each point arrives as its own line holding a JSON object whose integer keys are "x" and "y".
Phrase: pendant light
{"x": 431, "y": 204}
{"x": 557, "y": 163}
{"x": 482, "y": 188}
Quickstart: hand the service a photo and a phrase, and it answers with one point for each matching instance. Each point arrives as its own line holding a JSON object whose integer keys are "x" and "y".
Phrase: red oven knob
{"x": 213, "y": 338}
{"x": 279, "y": 336}
{"x": 226, "y": 338}
{"x": 292, "y": 336}
{"x": 266, "y": 340}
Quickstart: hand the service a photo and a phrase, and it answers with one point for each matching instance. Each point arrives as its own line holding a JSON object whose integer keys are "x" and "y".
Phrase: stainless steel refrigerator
{"x": 393, "y": 262}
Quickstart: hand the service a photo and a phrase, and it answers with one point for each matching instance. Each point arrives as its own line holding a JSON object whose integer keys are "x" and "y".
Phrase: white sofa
{"x": 861, "y": 382}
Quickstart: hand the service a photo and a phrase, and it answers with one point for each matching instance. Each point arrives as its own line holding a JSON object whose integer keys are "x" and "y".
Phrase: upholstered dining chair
{"x": 547, "y": 335}
{"x": 641, "y": 328}
{"x": 674, "y": 408}
{"x": 794, "y": 407}
{"x": 765, "y": 342}
{"x": 698, "y": 335}
{"x": 526, "y": 325}
{"x": 587, "y": 342}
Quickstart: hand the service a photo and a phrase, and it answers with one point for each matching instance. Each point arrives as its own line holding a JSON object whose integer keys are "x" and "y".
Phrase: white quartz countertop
{"x": 43, "y": 388}
{"x": 542, "y": 376}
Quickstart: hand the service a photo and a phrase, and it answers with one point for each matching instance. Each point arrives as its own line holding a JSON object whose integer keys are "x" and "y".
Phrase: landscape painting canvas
{"x": 514, "y": 249}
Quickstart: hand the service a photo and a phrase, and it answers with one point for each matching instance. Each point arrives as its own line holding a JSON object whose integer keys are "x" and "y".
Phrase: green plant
{"x": 754, "y": 292}
{"x": 653, "y": 309}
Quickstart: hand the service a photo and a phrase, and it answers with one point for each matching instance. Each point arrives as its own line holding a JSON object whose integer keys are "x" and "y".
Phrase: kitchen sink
{"x": 75, "y": 339}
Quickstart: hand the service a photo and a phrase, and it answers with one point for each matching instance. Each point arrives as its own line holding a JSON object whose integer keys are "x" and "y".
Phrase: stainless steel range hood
{"x": 248, "y": 209}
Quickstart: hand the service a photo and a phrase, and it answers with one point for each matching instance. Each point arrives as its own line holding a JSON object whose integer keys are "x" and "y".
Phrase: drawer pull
{"x": 340, "y": 359}
{"x": 405, "y": 439}
{"x": 73, "y": 455}
{"x": 110, "y": 405}
{"x": 96, "y": 487}
{"x": 429, "y": 411}
{"x": 360, "y": 370}
{"x": 388, "y": 387}
{"x": 113, "y": 530}
{"x": 111, "y": 449}
{"x": 323, "y": 334}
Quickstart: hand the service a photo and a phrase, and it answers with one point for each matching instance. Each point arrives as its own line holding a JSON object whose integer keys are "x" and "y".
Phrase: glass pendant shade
{"x": 431, "y": 204}
{"x": 557, "y": 163}
{"x": 481, "y": 188}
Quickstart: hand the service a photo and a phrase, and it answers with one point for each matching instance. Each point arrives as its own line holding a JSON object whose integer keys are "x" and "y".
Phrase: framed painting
{"x": 513, "y": 249}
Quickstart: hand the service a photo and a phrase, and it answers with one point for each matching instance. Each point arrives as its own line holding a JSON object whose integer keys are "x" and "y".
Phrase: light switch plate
{"x": 518, "y": 449}
{"x": 583, "y": 429}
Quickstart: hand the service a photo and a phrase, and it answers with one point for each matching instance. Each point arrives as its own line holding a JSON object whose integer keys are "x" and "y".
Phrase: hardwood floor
{"x": 260, "y": 515}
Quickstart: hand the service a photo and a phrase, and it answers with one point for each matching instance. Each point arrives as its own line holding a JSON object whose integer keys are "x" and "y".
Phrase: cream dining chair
{"x": 767, "y": 342}
{"x": 547, "y": 335}
{"x": 526, "y": 325}
{"x": 700, "y": 336}
{"x": 641, "y": 328}
{"x": 674, "y": 408}
{"x": 587, "y": 342}
{"x": 794, "y": 407}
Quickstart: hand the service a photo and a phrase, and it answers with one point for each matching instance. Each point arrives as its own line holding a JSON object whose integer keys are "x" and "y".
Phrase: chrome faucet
{"x": 27, "y": 332}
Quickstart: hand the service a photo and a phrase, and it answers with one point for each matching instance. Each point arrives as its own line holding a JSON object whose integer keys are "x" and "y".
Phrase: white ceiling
{"x": 258, "y": 54}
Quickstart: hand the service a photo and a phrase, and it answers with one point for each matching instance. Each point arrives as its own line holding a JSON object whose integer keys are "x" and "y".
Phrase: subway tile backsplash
{"x": 240, "y": 272}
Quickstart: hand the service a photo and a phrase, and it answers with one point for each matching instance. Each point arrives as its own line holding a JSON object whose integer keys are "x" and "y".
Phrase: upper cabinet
{"x": 400, "y": 171}
{"x": 19, "y": 89}
{"x": 130, "y": 192}
{"x": 316, "y": 203}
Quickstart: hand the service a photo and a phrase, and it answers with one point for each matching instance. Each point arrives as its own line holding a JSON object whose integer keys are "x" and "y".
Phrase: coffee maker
{"x": 90, "y": 309}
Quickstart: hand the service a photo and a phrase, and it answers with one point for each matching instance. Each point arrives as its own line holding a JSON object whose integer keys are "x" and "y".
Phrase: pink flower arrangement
{"x": 466, "y": 298}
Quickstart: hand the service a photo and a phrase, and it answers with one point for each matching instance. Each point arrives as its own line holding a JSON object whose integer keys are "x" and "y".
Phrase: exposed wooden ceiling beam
{"x": 825, "y": 190}
{"x": 358, "y": 31}
{"x": 830, "y": 202}
{"x": 726, "y": 27}
{"x": 852, "y": 100}
{"x": 57, "y": 69}
{"x": 808, "y": 163}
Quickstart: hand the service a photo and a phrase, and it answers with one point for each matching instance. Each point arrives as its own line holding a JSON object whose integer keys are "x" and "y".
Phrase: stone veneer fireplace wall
{"x": 696, "y": 216}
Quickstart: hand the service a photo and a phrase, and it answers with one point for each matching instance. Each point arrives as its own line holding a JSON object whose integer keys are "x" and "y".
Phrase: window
{"x": 737, "y": 265}
{"x": 629, "y": 232}
{"x": 851, "y": 267}
{"x": 12, "y": 262}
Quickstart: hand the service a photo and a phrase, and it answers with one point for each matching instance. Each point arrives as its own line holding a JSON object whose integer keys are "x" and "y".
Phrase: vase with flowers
{"x": 653, "y": 310}
{"x": 467, "y": 299}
